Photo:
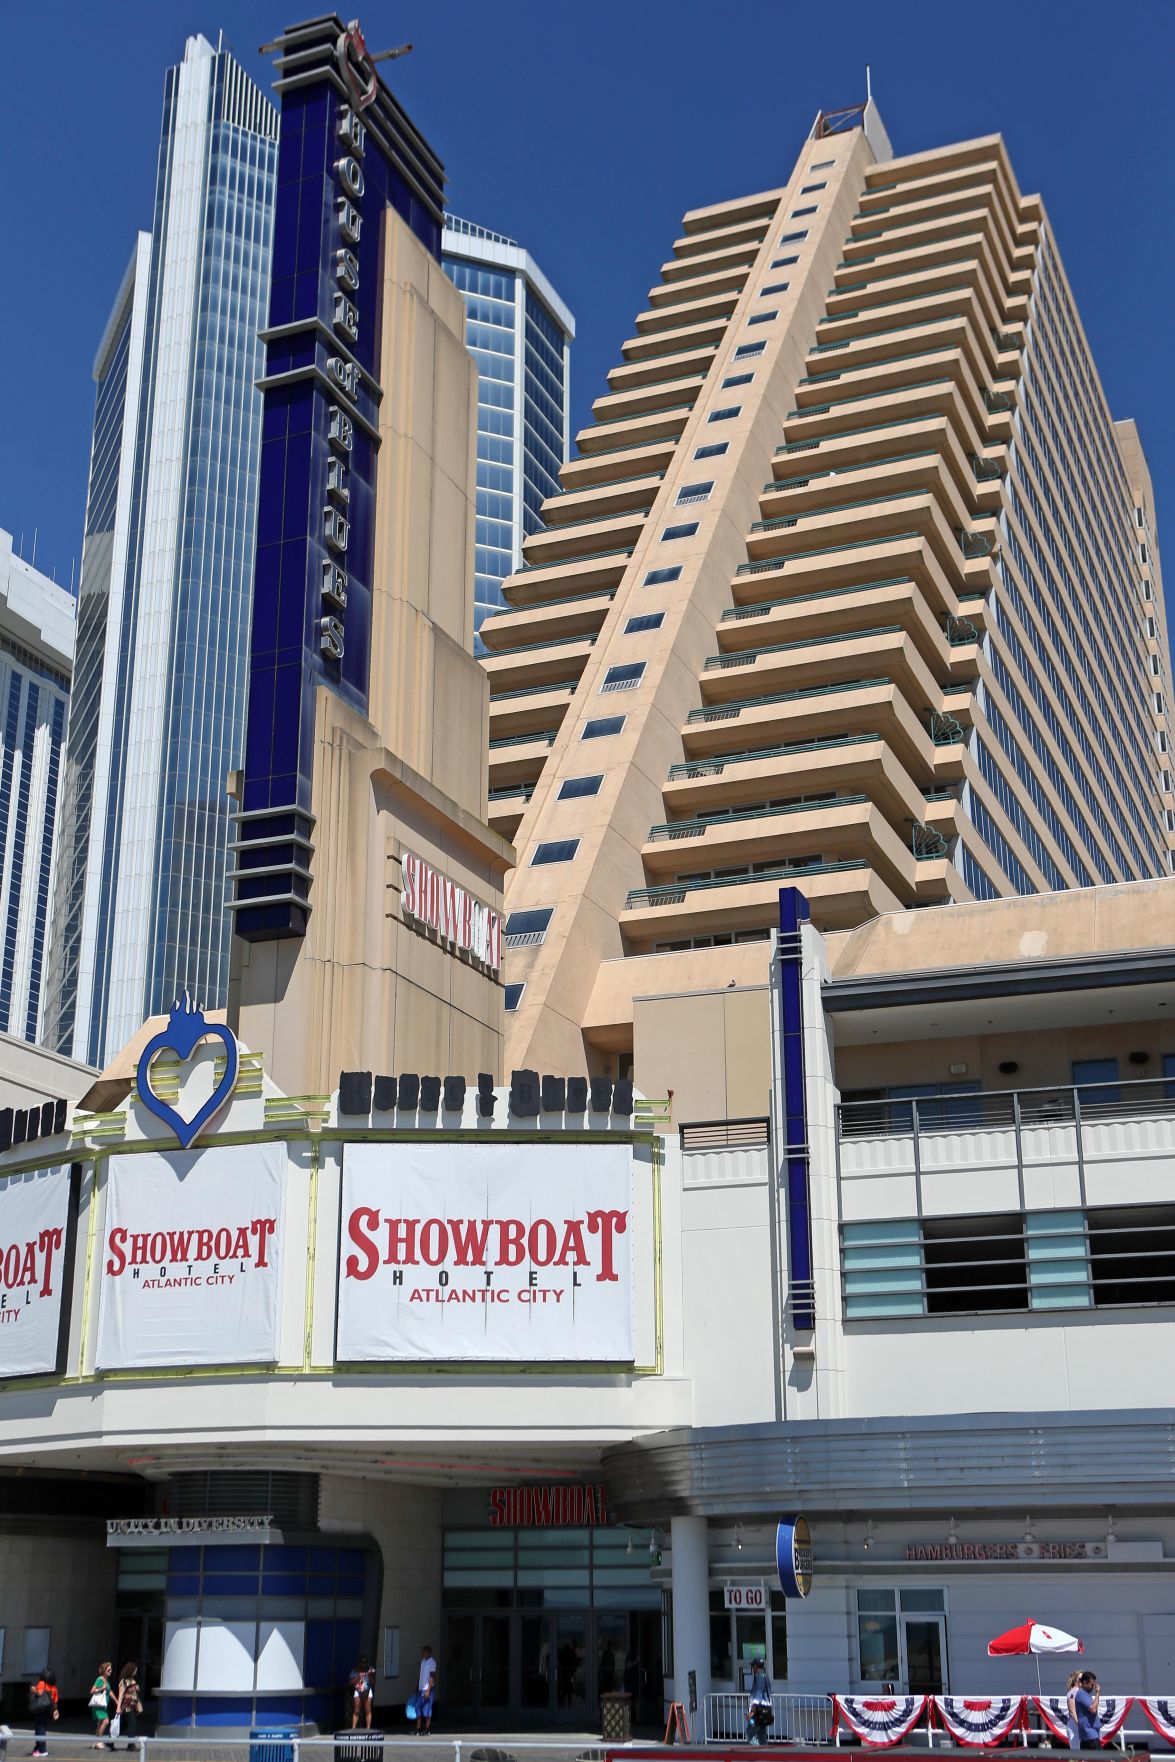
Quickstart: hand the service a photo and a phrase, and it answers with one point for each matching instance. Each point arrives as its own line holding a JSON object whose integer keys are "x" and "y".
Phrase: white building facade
{"x": 525, "y": 1377}
{"x": 36, "y": 665}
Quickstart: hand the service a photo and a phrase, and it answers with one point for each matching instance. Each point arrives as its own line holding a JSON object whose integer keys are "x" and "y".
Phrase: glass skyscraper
{"x": 167, "y": 573}
{"x": 520, "y": 334}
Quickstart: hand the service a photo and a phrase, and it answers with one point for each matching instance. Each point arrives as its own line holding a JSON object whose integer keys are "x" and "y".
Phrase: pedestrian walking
{"x": 759, "y": 1713}
{"x": 1070, "y": 1710}
{"x": 100, "y": 1690}
{"x": 43, "y": 1705}
{"x": 426, "y": 1684}
{"x": 362, "y": 1693}
{"x": 1087, "y": 1700}
{"x": 128, "y": 1705}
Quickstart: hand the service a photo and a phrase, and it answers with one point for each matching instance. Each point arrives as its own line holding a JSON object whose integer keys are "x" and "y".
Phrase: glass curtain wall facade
{"x": 36, "y": 654}
{"x": 167, "y": 577}
{"x": 519, "y": 333}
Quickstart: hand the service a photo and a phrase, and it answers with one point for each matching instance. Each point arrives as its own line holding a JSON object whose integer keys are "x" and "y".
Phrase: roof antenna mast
{"x": 868, "y": 85}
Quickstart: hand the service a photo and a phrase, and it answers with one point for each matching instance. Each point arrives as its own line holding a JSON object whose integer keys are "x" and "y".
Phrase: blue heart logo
{"x": 185, "y": 1029}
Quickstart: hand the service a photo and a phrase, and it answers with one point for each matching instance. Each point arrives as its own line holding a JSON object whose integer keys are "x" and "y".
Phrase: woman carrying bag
{"x": 100, "y": 1705}
{"x": 128, "y": 1706}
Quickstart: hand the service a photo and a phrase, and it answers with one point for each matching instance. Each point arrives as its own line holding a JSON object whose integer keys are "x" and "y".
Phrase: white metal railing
{"x": 805, "y": 1719}
{"x": 354, "y": 1746}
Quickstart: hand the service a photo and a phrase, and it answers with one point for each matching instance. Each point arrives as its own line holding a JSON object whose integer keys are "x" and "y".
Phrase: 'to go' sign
{"x": 746, "y": 1597}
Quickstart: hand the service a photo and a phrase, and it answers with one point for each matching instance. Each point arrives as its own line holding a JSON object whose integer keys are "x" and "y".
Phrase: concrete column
{"x": 688, "y": 1538}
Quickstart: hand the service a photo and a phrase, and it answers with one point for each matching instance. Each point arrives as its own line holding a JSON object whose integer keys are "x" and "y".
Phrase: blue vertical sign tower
{"x": 347, "y": 154}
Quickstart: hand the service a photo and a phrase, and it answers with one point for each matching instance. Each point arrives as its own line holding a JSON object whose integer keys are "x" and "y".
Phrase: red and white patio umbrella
{"x": 1032, "y": 1638}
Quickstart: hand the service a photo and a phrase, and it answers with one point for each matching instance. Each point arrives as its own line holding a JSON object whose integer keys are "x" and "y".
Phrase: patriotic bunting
{"x": 880, "y": 1721}
{"x": 1112, "y": 1712}
{"x": 1160, "y": 1710}
{"x": 980, "y": 1721}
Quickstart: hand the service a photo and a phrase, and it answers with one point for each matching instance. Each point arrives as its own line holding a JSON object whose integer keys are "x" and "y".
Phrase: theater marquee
{"x": 496, "y": 1253}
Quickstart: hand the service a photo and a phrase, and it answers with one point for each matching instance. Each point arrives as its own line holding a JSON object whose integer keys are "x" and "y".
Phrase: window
{"x": 655, "y": 577}
{"x": 685, "y": 531}
{"x": 1142, "y": 554}
{"x": 710, "y": 452}
{"x": 799, "y": 213}
{"x": 783, "y": 262}
{"x": 514, "y": 996}
{"x": 736, "y": 379}
{"x": 745, "y": 351}
{"x": 623, "y": 678}
{"x": 810, "y": 189}
{"x": 824, "y": 165}
{"x": 602, "y": 725}
{"x": 1102, "y": 1073}
{"x": 974, "y": 1263}
{"x": 554, "y": 850}
{"x": 1132, "y": 1254}
{"x": 877, "y": 1636}
{"x": 644, "y": 621}
{"x": 572, "y": 787}
{"x": 793, "y": 238}
{"x": 1058, "y": 1268}
{"x": 762, "y": 317}
{"x": 1138, "y": 518}
{"x": 527, "y": 929}
{"x": 726, "y": 414}
{"x": 738, "y": 1637}
{"x": 35, "y": 1658}
{"x": 883, "y": 1268}
{"x": 1154, "y": 659}
{"x": 693, "y": 492}
{"x": 777, "y": 287}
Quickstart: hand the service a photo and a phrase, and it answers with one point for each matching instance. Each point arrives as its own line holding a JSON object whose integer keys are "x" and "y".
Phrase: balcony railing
{"x": 761, "y": 608}
{"x": 782, "y": 520}
{"x": 790, "y": 749}
{"x": 977, "y": 544}
{"x": 584, "y": 557}
{"x": 674, "y": 892}
{"x": 775, "y": 484}
{"x": 1074, "y": 1105}
{"x": 520, "y": 792}
{"x": 543, "y": 642}
{"x": 747, "y": 657}
{"x": 502, "y": 697}
{"x": 856, "y": 544}
{"x": 546, "y": 735}
{"x": 892, "y": 391}
{"x": 671, "y": 829}
{"x": 563, "y": 599}
{"x": 728, "y": 712}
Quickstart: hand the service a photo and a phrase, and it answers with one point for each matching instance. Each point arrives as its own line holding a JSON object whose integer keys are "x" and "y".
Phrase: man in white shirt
{"x": 425, "y": 1686}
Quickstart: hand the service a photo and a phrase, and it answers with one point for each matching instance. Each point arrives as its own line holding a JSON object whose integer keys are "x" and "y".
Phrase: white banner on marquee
{"x": 34, "y": 1221}
{"x": 504, "y": 1253}
{"x": 191, "y": 1257}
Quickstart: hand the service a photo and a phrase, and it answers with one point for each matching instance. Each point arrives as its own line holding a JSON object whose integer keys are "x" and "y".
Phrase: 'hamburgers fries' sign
{"x": 505, "y": 1253}
{"x": 191, "y": 1258}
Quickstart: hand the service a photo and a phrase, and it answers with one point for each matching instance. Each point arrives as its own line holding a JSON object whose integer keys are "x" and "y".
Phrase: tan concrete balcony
{"x": 886, "y": 190}
{"x": 538, "y": 663}
{"x": 578, "y": 614}
{"x": 711, "y": 262}
{"x": 840, "y": 895}
{"x": 682, "y": 315}
{"x": 879, "y": 651}
{"x": 969, "y": 483}
{"x": 979, "y": 207}
{"x": 921, "y": 255}
{"x": 927, "y": 203}
{"x": 912, "y": 305}
{"x": 516, "y": 760}
{"x": 890, "y": 284}
{"x": 692, "y": 288}
{"x": 746, "y": 232}
{"x": 858, "y": 706}
{"x": 507, "y": 805}
{"x": 947, "y": 643}
{"x": 842, "y": 828}
{"x": 547, "y": 581}
{"x": 860, "y": 764}
{"x": 940, "y": 575}
{"x": 636, "y": 431}
{"x": 585, "y": 537}
{"x": 535, "y": 711}
{"x": 679, "y": 393}
{"x": 992, "y": 354}
{"x": 941, "y": 383}
{"x": 606, "y": 496}
{"x": 664, "y": 344}
{"x": 741, "y": 211}
{"x": 617, "y": 464}
{"x": 655, "y": 369}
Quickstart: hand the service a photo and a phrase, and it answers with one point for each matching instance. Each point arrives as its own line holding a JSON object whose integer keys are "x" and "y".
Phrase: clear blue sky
{"x": 585, "y": 131}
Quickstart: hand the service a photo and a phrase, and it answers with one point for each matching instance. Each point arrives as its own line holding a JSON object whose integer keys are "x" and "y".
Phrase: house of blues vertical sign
{"x": 347, "y": 154}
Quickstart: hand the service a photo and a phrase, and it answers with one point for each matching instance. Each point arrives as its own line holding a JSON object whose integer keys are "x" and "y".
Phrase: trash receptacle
{"x": 269, "y": 1745}
{"x": 616, "y": 1716}
{"x": 359, "y": 1746}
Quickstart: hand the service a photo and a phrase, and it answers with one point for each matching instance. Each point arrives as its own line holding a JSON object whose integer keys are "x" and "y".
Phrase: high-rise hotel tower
{"x": 158, "y": 716}
{"x": 854, "y": 582}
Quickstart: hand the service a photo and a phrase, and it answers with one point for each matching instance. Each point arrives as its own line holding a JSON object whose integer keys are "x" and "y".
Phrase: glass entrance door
{"x": 493, "y": 1664}
{"x": 924, "y": 1640}
{"x": 477, "y": 1663}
